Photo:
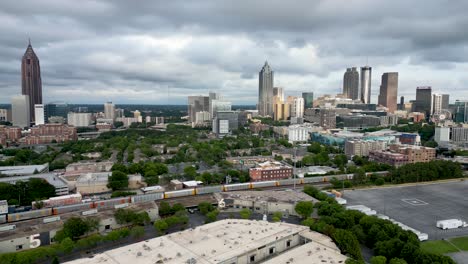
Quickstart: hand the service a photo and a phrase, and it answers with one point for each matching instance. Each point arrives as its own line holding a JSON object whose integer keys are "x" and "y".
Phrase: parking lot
{"x": 419, "y": 206}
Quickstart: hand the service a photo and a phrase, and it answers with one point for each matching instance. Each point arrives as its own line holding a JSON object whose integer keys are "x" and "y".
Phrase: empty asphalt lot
{"x": 419, "y": 206}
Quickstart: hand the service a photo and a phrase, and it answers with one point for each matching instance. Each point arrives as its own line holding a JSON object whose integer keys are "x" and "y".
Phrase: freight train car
{"x": 264, "y": 184}
{"x": 209, "y": 189}
{"x": 72, "y": 208}
{"x": 237, "y": 186}
{"x": 29, "y": 215}
{"x": 147, "y": 197}
{"x": 111, "y": 202}
{"x": 179, "y": 193}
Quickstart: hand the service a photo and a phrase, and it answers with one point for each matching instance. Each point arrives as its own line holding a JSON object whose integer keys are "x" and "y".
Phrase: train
{"x": 111, "y": 203}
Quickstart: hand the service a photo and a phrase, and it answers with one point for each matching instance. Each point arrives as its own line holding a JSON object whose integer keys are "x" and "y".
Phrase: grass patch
{"x": 438, "y": 246}
{"x": 460, "y": 242}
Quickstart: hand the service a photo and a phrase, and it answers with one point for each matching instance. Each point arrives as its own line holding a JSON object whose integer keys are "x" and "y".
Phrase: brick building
{"x": 403, "y": 154}
{"x": 9, "y": 134}
{"x": 48, "y": 133}
{"x": 270, "y": 170}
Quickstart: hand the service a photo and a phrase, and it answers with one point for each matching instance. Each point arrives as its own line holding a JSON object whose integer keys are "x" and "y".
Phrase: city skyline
{"x": 129, "y": 61}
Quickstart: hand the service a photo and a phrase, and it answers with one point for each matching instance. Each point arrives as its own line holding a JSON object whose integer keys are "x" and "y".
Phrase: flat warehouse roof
{"x": 211, "y": 243}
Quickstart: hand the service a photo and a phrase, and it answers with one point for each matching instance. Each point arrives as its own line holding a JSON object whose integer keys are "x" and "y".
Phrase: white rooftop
{"x": 49, "y": 177}
{"x": 208, "y": 244}
{"x": 23, "y": 170}
{"x": 93, "y": 177}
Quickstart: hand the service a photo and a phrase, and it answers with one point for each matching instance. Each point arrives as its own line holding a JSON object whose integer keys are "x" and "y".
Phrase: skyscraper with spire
{"x": 31, "y": 84}
{"x": 265, "y": 91}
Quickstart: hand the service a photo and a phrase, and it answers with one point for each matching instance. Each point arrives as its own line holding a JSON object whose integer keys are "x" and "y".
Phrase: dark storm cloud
{"x": 141, "y": 48}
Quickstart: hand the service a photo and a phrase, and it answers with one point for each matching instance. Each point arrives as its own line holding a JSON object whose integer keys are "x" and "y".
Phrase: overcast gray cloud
{"x": 158, "y": 52}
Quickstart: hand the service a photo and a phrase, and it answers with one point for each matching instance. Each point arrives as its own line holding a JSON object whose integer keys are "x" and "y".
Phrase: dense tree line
{"x": 348, "y": 228}
{"x": 25, "y": 192}
{"x": 427, "y": 171}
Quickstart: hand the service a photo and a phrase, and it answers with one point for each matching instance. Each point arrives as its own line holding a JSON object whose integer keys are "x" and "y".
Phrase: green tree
{"x": 55, "y": 260}
{"x": 177, "y": 207}
{"x": 277, "y": 216}
{"x": 67, "y": 245}
{"x": 211, "y": 216}
{"x": 304, "y": 208}
{"x": 397, "y": 261}
{"x": 205, "y": 207}
{"x": 119, "y": 167}
{"x": 164, "y": 208}
{"x": 161, "y": 226}
{"x": 347, "y": 242}
{"x": 245, "y": 213}
{"x": 190, "y": 172}
{"x": 118, "y": 180}
{"x": 378, "y": 260}
{"x": 74, "y": 228}
{"x": 137, "y": 231}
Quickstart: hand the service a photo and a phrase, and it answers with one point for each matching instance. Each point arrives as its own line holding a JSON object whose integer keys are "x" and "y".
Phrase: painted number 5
{"x": 34, "y": 241}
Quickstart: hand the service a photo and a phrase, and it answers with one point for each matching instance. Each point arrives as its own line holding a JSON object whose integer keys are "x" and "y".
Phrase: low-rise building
{"x": 258, "y": 127}
{"x": 248, "y": 161}
{"x": 34, "y": 233}
{"x": 61, "y": 186}
{"x": 363, "y": 147}
{"x": 84, "y": 167}
{"x": 23, "y": 170}
{"x": 9, "y": 134}
{"x": 93, "y": 183}
{"x": 225, "y": 242}
{"x": 398, "y": 155}
{"x": 388, "y": 120}
{"x": 263, "y": 202}
{"x": 50, "y": 133}
{"x": 270, "y": 170}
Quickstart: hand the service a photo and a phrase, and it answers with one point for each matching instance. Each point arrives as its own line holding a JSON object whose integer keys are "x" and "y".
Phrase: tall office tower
{"x": 366, "y": 79}
{"x": 423, "y": 102}
{"x": 460, "y": 114}
{"x": 308, "y": 100}
{"x": 279, "y": 92}
{"x": 389, "y": 91}
{"x": 31, "y": 84}
{"x": 265, "y": 91}
{"x": 351, "y": 83}
{"x": 445, "y": 101}
{"x": 297, "y": 106}
{"x": 39, "y": 114}
{"x": 20, "y": 111}
{"x": 219, "y": 105}
{"x": 109, "y": 111}
{"x": 197, "y": 104}
{"x": 401, "y": 105}
{"x": 281, "y": 109}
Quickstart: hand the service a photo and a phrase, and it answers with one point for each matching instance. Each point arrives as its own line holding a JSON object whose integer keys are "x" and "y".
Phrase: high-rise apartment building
{"x": 20, "y": 111}
{"x": 297, "y": 106}
{"x": 39, "y": 114}
{"x": 423, "y": 102}
{"x": 79, "y": 119}
{"x": 197, "y": 104}
{"x": 436, "y": 103}
{"x": 389, "y": 91}
{"x": 308, "y": 100}
{"x": 351, "y": 83}
{"x": 109, "y": 111}
{"x": 366, "y": 79}
{"x": 265, "y": 91}
{"x": 281, "y": 109}
{"x": 31, "y": 83}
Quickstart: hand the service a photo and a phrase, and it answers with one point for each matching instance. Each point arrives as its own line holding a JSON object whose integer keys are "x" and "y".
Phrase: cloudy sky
{"x": 159, "y": 52}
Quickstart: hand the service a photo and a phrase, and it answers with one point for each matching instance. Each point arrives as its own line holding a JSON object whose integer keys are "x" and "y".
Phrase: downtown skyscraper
{"x": 351, "y": 83}
{"x": 265, "y": 91}
{"x": 423, "y": 102}
{"x": 366, "y": 80}
{"x": 31, "y": 83}
{"x": 389, "y": 91}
